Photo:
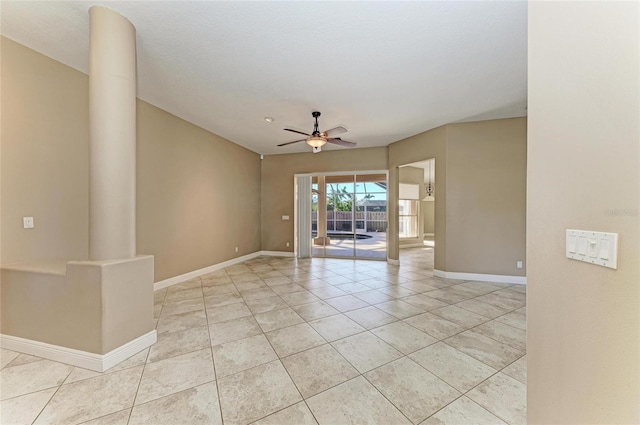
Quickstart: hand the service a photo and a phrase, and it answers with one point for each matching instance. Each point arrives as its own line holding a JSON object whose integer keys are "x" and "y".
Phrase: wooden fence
{"x": 342, "y": 221}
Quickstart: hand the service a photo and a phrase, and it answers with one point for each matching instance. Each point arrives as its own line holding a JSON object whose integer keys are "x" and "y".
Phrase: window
{"x": 408, "y": 214}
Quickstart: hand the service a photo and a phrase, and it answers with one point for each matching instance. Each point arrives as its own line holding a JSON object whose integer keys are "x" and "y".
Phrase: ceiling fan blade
{"x": 335, "y": 131}
{"x": 339, "y": 141}
{"x": 289, "y": 143}
{"x": 296, "y": 131}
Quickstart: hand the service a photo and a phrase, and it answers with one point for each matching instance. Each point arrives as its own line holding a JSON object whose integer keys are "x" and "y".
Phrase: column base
{"x": 322, "y": 240}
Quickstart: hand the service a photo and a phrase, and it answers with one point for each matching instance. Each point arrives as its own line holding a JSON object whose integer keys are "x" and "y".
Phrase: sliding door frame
{"x": 297, "y": 211}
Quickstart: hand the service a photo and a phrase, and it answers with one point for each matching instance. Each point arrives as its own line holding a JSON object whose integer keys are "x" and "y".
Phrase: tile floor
{"x": 280, "y": 341}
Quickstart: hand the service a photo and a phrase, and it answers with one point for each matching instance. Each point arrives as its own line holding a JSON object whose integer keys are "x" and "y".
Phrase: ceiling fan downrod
{"x": 315, "y": 115}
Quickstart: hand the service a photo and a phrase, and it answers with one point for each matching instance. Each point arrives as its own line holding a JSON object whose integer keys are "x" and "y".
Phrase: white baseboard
{"x": 127, "y": 350}
{"x": 520, "y": 280}
{"x": 277, "y": 253}
{"x": 83, "y": 359}
{"x": 181, "y": 278}
{"x": 393, "y": 262}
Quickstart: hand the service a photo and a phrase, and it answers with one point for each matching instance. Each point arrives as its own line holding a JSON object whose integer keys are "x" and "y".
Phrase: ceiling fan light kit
{"x": 318, "y": 139}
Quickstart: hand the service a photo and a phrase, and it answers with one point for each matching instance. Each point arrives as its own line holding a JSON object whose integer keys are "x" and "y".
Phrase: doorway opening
{"x": 416, "y": 204}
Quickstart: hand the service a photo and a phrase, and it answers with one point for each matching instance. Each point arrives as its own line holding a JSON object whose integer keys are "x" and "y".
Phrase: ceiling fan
{"x": 318, "y": 139}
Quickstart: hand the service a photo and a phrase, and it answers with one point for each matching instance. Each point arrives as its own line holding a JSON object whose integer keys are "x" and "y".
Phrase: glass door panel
{"x": 339, "y": 194}
{"x": 371, "y": 216}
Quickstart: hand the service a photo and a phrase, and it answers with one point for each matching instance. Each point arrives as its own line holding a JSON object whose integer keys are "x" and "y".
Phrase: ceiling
{"x": 384, "y": 70}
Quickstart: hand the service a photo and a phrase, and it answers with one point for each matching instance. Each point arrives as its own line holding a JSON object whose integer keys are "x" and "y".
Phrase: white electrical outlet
{"x": 519, "y": 264}
{"x": 287, "y": 244}
{"x": 236, "y": 249}
{"x": 27, "y": 222}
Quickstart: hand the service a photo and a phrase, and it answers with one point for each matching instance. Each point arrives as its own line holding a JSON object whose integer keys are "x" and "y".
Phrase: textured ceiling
{"x": 384, "y": 70}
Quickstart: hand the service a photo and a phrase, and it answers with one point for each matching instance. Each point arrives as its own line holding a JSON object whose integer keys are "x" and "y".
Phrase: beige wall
{"x": 486, "y": 196}
{"x": 584, "y": 160}
{"x": 277, "y": 185}
{"x": 45, "y": 157}
{"x": 198, "y": 195}
{"x": 481, "y": 193}
{"x": 428, "y": 216}
{"x": 427, "y": 145}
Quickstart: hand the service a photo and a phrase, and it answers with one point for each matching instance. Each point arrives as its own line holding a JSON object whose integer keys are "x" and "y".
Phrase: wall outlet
{"x": 287, "y": 244}
{"x": 236, "y": 249}
{"x": 27, "y": 222}
{"x": 519, "y": 264}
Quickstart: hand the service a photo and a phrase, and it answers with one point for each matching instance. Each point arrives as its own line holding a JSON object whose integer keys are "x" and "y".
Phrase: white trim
{"x": 127, "y": 350}
{"x": 277, "y": 253}
{"x": 181, "y": 278}
{"x": 429, "y": 234}
{"x": 302, "y": 217}
{"x": 393, "y": 262}
{"x": 520, "y": 280}
{"x": 83, "y": 359}
{"x": 342, "y": 173}
{"x": 296, "y": 242}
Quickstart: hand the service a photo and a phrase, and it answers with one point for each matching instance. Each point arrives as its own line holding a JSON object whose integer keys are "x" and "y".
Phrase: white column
{"x": 303, "y": 185}
{"x": 112, "y": 120}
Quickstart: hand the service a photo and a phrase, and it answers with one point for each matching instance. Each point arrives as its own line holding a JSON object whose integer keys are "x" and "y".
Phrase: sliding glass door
{"x": 349, "y": 215}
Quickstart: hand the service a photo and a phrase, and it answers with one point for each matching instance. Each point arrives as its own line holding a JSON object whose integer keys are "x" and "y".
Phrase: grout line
{"x": 476, "y": 386}
{"x": 104, "y": 416}
{"x": 382, "y": 394}
{"x": 52, "y": 395}
{"x": 213, "y": 362}
{"x": 144, "y": 366}
{"x": 46, "y": 404}
{"x": 277, "y": 359}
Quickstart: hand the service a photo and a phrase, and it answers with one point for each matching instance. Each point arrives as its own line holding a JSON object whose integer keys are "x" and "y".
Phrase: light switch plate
{"x": 597, "y": 248}
{"x": 27, "y": 222}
